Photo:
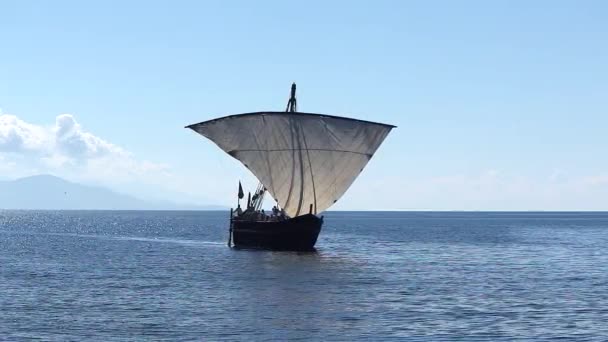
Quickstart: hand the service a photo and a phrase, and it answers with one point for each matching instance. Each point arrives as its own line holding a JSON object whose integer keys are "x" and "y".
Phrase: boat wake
{"x": 128, "y": 238}
{"x": 168, "y": 240}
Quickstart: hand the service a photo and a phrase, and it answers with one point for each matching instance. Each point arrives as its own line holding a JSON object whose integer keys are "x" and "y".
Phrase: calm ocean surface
{"x": 78, "y": 275}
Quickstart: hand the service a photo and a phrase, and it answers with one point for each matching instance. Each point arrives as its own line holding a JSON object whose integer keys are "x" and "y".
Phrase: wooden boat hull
{"x": 295, "y": 234}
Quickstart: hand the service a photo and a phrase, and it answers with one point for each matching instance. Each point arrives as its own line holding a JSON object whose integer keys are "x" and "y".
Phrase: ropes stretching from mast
{"x": 258, "y": 197}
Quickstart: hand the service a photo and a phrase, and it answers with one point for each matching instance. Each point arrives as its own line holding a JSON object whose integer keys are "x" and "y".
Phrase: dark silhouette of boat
{"x": 305, "y": 161}
{"x": 294, "y": 234}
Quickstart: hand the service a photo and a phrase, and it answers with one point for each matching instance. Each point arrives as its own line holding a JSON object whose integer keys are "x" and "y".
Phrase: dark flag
{"x": 241, "y": 194}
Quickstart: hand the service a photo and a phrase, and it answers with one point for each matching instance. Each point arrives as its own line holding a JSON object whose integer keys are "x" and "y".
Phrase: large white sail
{"x": 302, "y": 159}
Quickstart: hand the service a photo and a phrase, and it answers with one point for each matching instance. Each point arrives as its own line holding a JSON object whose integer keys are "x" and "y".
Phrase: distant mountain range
{"x": 50, "y": 192}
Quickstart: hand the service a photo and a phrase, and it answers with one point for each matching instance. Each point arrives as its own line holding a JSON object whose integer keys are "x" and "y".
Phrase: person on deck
{"x": 239, "y": 211}
{"x": 275, "y": 211}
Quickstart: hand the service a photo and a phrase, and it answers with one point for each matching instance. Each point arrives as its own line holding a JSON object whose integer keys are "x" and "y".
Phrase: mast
{"x": 292, "y": 107}
{"x": 292, "y": 104}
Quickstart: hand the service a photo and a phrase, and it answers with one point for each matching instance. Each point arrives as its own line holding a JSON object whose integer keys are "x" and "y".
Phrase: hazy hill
{"x": 50, "y": 192}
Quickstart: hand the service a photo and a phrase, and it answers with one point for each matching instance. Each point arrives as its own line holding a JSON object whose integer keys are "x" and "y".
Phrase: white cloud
{"x": 67, "y": 149}
{"x": 74, "y": 142}
{"x": 19, "y": 136}
{"x": 557, "y": 176}
{"x": 64, "y": 142}
{"x": 599, "y": 180}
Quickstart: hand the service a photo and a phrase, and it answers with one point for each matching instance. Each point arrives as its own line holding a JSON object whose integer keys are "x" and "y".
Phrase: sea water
{"x": 128, "y": 275}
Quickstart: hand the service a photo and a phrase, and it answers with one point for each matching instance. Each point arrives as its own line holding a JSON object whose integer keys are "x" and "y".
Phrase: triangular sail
{"x": 302, "y": 159}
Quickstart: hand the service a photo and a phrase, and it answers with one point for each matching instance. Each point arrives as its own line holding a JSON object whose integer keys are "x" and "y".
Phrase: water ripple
{"x": 375, "y": 276}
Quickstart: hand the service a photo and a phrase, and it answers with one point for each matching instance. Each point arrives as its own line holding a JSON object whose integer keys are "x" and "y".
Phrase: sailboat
{"x": 305, "y": 161}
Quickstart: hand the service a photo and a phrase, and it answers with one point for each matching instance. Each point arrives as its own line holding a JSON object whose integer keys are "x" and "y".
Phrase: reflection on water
{"x": 432, "y": 276}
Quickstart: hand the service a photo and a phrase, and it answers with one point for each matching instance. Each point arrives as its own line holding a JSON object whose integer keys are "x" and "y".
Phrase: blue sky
{"x": 500, "y": 105}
